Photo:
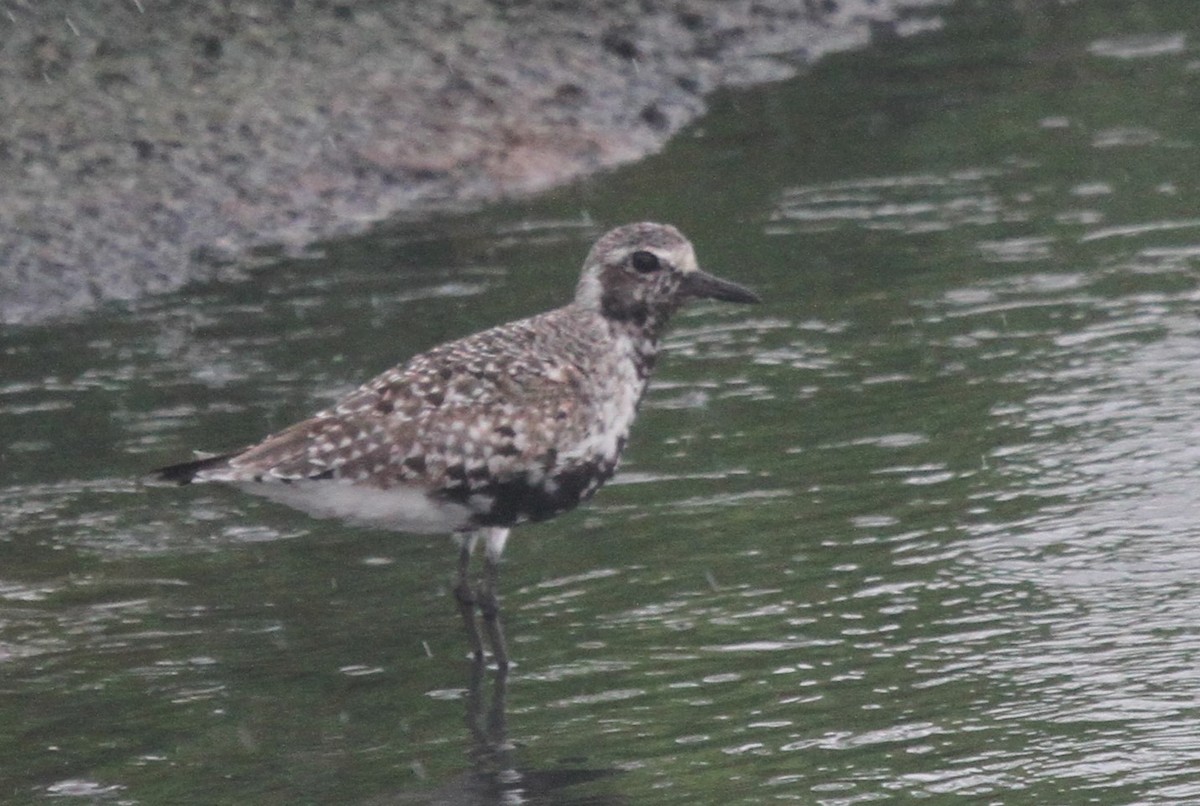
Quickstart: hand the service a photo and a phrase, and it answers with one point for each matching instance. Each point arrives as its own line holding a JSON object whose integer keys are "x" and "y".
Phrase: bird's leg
{"x": 464, "y": 594}
{"x": 489, "y": 596}
{"x": 489, "y": 608}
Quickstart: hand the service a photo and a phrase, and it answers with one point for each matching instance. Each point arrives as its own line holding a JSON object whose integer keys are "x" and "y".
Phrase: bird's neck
{"x": 639, "y": 339}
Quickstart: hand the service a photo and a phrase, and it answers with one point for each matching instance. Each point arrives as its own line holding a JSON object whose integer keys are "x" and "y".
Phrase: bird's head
{"x": 642, "y": 273}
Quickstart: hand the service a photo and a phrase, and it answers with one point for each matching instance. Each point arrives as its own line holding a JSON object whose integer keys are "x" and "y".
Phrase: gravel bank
{"x": 146, "y": 142}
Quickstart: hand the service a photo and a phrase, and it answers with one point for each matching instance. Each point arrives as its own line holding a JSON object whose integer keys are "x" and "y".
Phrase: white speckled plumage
{"x": 516, "y": 423}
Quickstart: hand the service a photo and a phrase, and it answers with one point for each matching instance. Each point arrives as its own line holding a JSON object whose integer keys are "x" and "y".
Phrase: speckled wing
{"x": 468, "y": 414}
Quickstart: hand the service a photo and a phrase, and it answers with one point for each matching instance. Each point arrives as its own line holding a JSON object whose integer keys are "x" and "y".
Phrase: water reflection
{"x": 498, "y": 774}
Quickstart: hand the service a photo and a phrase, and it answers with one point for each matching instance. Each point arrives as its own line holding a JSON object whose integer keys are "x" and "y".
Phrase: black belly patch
{"x": 517, "y": 500}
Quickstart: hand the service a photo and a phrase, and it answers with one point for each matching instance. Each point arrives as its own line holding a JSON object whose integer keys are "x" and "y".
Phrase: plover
{"x": 518, "y": 423}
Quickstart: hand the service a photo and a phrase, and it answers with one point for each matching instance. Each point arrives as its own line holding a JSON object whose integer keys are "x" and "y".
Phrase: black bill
{"x": 705, "y": 286}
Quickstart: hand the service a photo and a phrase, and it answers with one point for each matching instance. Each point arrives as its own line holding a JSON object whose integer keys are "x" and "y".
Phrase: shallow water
{"x": 924, "y": 525}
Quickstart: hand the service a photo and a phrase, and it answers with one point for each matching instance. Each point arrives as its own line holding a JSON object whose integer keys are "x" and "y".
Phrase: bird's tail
{"x": 186, "y": 472}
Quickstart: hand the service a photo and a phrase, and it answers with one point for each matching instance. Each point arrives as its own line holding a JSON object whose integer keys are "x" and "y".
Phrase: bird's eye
{"x": 645, "y": 262}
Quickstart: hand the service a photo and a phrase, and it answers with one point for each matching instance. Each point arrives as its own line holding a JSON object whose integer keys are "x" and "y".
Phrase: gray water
{"x": 923, "y": 526}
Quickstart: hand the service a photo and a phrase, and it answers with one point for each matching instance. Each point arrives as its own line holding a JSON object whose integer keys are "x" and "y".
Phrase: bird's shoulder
{"x": 524, "y": 362}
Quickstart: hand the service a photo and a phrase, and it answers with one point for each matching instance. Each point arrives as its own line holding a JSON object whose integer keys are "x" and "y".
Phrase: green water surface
{"x": 922, "y": 527}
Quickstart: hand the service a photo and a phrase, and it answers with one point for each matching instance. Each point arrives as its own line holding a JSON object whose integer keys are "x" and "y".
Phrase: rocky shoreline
{"x": 147, "y": 143}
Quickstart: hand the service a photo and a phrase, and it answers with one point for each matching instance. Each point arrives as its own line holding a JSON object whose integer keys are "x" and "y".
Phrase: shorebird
{"x": 518, "y": 423}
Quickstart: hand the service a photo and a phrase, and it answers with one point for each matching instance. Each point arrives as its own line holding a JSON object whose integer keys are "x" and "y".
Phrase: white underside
{"x": 399, "y": 509}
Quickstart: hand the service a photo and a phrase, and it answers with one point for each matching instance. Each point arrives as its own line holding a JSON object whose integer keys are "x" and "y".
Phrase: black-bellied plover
{"x": 517, "y": 423}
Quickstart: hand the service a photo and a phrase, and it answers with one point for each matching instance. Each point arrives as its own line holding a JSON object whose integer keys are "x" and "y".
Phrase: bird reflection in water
{"x": 496, "y": 777}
